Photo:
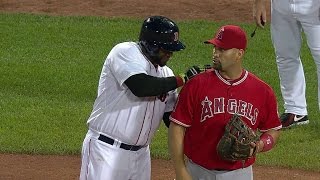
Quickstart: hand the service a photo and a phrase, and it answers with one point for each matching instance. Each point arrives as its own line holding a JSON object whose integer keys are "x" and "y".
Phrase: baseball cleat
{"x": 289, "y": 120}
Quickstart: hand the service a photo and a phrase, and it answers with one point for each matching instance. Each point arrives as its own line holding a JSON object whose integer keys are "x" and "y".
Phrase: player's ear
{"x": 240, "y": 53}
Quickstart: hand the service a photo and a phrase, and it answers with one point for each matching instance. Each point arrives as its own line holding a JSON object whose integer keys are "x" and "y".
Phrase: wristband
{"x": 180, "y": 81}
{"x": 268, "y": 142}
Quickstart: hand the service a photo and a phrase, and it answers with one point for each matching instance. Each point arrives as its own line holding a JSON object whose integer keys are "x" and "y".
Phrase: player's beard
{"x": 154, "y": 56}
{"x": 159, "y": 60}
{"x": 217, "y": 65}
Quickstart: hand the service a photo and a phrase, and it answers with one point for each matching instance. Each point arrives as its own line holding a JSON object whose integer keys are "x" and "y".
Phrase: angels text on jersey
{"x": 233, "y": 106}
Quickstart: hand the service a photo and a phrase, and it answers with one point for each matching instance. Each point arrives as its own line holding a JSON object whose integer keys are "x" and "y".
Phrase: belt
{"x": 222, "y": 170}
{"x": 110, "y": 141}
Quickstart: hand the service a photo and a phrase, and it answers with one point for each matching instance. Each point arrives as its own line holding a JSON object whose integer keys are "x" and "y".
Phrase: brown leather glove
{"x": 236, "y": 143}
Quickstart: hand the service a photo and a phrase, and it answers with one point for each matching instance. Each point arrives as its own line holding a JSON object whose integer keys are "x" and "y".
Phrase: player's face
{"x": 225, "y": 59}
{"x": 163, "y": 57}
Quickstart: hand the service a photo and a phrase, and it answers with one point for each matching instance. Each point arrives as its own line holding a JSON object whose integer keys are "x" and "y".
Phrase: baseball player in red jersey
{"x": 207, "y": 102}
{"x": 136, "y": 91}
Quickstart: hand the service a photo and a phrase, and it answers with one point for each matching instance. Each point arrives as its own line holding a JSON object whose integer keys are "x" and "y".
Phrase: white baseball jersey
{"x": 289, "y": 18}
{"x": 117, "y": 112}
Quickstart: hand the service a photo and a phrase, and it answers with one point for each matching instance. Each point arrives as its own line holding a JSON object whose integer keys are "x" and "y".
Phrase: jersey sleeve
{"x": 172, "y": 95}
{"x": 183, "y": 111}
{"x": 172, "y": 98}
{"x": 271, "y": 120}
{"x": 125, "y": 62}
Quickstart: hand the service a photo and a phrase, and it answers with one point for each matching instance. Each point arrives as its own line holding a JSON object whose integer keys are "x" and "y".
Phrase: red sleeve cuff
{"x": 180, "y": 81}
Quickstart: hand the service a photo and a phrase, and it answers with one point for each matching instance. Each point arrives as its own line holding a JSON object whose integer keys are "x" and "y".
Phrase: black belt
{"x": 122, "y": 145}
{"x": 221, "y": 170}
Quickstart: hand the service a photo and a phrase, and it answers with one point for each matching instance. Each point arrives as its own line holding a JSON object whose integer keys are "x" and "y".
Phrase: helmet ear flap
{"x": 152, "y": 50}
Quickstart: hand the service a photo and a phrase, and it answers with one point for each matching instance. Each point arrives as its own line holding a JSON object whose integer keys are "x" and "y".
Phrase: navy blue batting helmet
{"x": 162, "y": 32}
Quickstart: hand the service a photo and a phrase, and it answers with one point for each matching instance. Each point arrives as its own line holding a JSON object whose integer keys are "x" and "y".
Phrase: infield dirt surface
{"x": 35, "y": 167}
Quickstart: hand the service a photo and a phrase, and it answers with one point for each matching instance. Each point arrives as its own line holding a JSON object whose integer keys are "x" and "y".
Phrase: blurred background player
{"x": 288, "y": 20}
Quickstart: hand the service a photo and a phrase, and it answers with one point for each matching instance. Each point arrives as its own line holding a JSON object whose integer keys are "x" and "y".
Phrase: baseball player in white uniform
{"x": 289, "y": 18}
{"x": 136, "y": 90}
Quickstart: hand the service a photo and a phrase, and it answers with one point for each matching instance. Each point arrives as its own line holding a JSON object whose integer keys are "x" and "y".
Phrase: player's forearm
{"x": 268, "y": 140}
{"x": 259, "y": 5}
{"x": 143, "y": 85}
{"x": 176, "y": 136}
{"x": 260, "y": 1}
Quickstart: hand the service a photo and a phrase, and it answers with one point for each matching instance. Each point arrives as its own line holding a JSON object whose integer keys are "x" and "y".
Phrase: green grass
{"x": 49, "y": 70}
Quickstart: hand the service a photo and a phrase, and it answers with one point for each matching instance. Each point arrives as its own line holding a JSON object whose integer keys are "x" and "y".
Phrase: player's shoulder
{"x": 126, "y": 47}
{"x": 259, "y": 82}
{"x": 202, "y": 78}
{"x": 126, "y": 50}
{"x": 206, "y": 74}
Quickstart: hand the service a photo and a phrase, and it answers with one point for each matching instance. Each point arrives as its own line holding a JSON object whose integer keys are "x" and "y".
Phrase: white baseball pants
{"x": 286, "y": 32}
{"x": 102, "y": 161}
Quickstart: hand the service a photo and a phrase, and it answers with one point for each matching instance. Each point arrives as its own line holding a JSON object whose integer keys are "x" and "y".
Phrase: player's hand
{"x": 260, "y": 13}
{"x": 163, "y": 97}
{"x": 255, "y": 148}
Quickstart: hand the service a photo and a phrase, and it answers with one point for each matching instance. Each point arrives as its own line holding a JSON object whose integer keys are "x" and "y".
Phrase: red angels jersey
{"x": 207, "y": 102}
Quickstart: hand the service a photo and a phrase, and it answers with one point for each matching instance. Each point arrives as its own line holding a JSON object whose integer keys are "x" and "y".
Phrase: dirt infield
{"x": 233, "y": 10}
{"x": 29, "y": 167}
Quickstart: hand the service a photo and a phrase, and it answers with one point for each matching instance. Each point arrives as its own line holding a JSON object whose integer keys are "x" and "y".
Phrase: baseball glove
{"x": 194, "y": 70}
{"x": 235, "y": 144}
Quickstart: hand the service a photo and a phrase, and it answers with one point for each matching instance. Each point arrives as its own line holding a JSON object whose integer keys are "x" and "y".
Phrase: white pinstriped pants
{"x": 102, "y": 161}
{"x": 286, "y": 32}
